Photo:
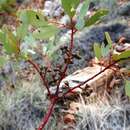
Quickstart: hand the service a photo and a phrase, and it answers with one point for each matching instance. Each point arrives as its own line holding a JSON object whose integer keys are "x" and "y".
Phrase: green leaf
{"x": 10, "y": 43}
{"x": 2, "y": 2}
{"x": 22, "y": 31}
{"x": 6, "y": 5}
{"x": 97, "y": 50}
{"x": 84, "y": 9}
{"x": 7, "y": 2}
{"x": 3, "y": 61}
{"x": 23, "y": 17}
{"x": 31, "y": 17}
{"x": 105, "y": 50}
{"x": 46, "y": 32}
{"x": 108, "y": 38}
{"x": 81, "y": 21}
{"x": 2, "y": 36}
{"x": 70, "y": 6}
{"x": 96, "y": 17}
{"x": 123, "y": 55}
{"x": 127, "y": 87}
{"x": 36, "y": 19}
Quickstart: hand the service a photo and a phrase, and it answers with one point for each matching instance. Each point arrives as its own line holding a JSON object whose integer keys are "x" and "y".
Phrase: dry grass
{"x": 104, "y": 115}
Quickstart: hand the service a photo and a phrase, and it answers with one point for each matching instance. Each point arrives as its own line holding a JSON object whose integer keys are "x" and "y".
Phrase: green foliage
{"x": 22, "y": 31}
{"x": 101, "y": 50}
{"x": 84, "y": 9}
{"x": 2, "y": 36}
{"x": 108, "y": 38}
{"x": 80, "y": 20}
{"x": 35, "y": 24}
{"x": 127, "y": 87}
{"x": 3, "y": 61}
{"x": 97, "y": 50}
{"x": 123, "y": 55}
{"x": 43, "y": 31}
{"x": 31, "y": 17}
{"x": 9, "y": 41}
{"x": 70, "y": 6}
{"x": 96, "y": 17}
{"x": 7, "y": 1}
{"x": 105, "y": 49}
{"x": 40, "y": 28}
{"x": 7, "y": 5}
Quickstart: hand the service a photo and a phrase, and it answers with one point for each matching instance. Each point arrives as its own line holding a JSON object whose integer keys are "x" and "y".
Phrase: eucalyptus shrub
{"x": 33, "y": 24}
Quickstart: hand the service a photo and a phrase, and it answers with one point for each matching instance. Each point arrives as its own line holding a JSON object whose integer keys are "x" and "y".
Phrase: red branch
{"x": 56, "y": 97}
{"x": 3, "y": 14}
{"x": 79, "y": 85}
{"x": 48, "y": 114}
{"x": 72, "y": 40}
{"x": 59, "y": 24}
{"x": 37, "y": 68}
{"x": 70, "y": 54}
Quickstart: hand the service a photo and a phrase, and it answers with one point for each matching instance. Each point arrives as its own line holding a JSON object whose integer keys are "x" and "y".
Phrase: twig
{"x": 37, "y": 68}
{"x": 72, "y": 40}
{"x": 70, "y": 54}
{"x": 48, "y": 114}
{"x": 61, "y": 25}
{"x": 79, "y": 85}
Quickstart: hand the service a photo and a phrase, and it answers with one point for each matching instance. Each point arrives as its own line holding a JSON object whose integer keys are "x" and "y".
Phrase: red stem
{"x": 48, "y": 114}
{"x": 4, "y": 14}
{"x": 60, "y": 24}
{"x": 41, "y": 75}
{"x": 72, "y": 39}
{"x": 66, "y": 65}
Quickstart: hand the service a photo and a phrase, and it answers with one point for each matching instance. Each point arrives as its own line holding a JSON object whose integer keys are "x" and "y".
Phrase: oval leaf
{"x": 108, "y": 38}
{"x": 22, "y": 31}
{"x": 124, "y": 54}
{"x": 10, "y": 43}
{"x": 34, "y": 18}
{"x": 105, "y": 49}
{"x": 45, "y": 33}
{"x": 97, "y": 50}
{"x": 70, "y": 6}
{"x": 84, "y": 8}
{"x": 96, "y": 17}
{"x": 80, "y": 21}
